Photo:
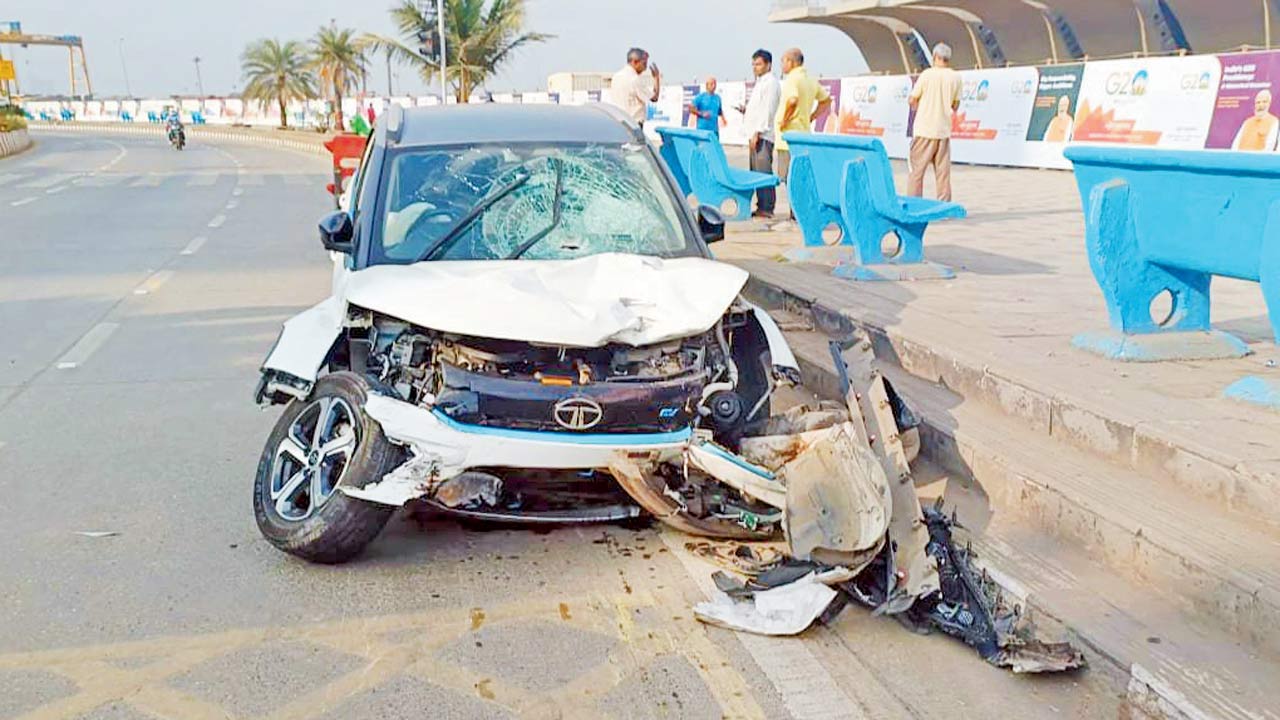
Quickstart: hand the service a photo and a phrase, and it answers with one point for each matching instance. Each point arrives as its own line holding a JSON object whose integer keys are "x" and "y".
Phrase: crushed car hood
{"x": 587, "y": 302}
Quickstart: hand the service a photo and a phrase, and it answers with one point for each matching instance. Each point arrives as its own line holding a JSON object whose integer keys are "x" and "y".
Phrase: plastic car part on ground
{"x": 838, "y": 502}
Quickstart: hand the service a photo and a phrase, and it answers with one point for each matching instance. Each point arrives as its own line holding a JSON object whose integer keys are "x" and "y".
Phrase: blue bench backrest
{"x": 829, "y": 153}
{"x": 680, "y": 147}
{"x": 1200, "y": 210}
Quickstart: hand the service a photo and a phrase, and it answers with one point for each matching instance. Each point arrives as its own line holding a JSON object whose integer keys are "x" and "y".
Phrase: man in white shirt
{"x": 757, "y": 120}
{"x": 631, "y": 90}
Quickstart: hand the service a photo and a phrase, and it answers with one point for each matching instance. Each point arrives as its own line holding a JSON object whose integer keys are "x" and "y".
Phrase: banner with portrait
{"x": 1242, "y": 116}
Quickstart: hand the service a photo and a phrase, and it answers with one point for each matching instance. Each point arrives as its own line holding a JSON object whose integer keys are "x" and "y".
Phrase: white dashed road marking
{"x": 238, "y": 192}
{"x": 233, "y": 204}
{"x": 153, "y": 283}
{"x": 57, "y": 189}
{"x": 193, "y": 246}
{"x": 87, "y": 345}
{"x": 47, "y": 181}
{"x": 23, "y": 201}
{"x": 6, "y": 178}
{"x": 217, "y": 221}
{"x": 101, "y": 180}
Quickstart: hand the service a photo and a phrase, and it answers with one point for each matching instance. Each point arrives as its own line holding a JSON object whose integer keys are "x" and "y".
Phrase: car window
{"x": 540, "y": 202}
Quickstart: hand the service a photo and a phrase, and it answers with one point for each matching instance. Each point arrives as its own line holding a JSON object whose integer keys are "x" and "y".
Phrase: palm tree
{"x": 478, "y": 39}
{"x": 275, "y": 72}
{"x": 338, "y": 61}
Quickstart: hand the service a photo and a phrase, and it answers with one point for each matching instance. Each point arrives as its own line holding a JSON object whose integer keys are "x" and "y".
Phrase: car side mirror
{"x": 710, "y": 223}
{"x": 336, "y": 232}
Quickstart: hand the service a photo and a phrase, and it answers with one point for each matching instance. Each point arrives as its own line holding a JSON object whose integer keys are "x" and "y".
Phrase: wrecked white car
{"x": 523, "y": 303}
{"x": 520, "y": 294}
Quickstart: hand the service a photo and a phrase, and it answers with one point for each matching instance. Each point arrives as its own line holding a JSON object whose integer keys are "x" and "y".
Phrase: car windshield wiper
{"x": 555, "y": 218}
{"x": 446, "y": 241}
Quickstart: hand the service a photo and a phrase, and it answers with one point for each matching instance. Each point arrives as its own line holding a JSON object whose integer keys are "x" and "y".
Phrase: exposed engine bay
{"x": 687, "y": 382}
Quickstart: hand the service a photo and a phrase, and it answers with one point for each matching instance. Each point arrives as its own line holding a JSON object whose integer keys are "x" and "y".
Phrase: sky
{"x": 688, "y": 39}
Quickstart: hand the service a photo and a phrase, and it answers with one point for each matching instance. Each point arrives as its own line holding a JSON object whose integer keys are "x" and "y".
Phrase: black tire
{"x": 340, "y": 527}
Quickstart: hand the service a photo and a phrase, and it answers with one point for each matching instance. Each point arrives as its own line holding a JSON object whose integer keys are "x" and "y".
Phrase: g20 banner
{"x": 995, "y": 107}
{"x": 876, "y": 106}
{"x": 1165, "y": 102}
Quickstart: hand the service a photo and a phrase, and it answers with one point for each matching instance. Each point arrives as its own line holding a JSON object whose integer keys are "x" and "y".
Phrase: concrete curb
{"x": 310, "y": 143}
{"x": 14, "y": 142}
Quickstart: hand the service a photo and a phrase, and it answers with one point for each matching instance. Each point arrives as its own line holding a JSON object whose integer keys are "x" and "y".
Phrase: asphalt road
{"x": 139, "y": 290}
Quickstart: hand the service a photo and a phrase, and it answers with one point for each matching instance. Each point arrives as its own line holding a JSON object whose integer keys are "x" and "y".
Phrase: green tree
{"x": 275, "y": 72}
{"x": 339, "y": 61}
{"x": 480, "y": 36}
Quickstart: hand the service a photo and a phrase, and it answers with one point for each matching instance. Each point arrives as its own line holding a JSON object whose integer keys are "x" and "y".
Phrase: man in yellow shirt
{"x": 935, "y": 98}
{"x": 802, "y": 98}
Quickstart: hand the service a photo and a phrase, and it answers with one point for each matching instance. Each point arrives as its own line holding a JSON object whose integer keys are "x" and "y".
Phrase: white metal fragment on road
{"x": 87, "y": 345}
{"x": 96, "y": 533}
{"x": 785, "y": 610}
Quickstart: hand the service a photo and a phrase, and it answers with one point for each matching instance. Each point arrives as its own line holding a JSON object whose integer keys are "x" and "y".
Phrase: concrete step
{"x": 1181, "y": 593}
{"x": 1089, "y": 404}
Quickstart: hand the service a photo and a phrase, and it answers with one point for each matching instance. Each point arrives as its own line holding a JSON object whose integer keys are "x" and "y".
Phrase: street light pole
{"x": 444, "y": 57}
{"x": 199, "y": 83}
{"x": 124, "y": 68}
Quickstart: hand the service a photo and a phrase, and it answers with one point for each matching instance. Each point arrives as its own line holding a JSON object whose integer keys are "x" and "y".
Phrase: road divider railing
{"x": 299, "y": 140}
{"x": 14, "y": 142}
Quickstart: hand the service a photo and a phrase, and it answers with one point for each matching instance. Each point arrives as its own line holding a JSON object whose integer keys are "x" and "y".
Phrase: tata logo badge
{"x": 577, "y": 413}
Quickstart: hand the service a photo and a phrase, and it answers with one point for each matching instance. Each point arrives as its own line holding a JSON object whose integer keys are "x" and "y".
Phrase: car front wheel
{"x": 319, "y": 445}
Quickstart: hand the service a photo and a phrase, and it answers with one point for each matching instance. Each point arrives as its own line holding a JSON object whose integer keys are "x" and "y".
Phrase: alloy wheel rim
{"x": 312, "y": 458}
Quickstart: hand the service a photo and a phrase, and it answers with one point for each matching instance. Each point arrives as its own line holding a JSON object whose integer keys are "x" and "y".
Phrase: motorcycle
{"x": 177, "y": 137}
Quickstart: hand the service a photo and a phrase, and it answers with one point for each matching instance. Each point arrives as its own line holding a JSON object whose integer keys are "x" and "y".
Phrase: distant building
{"x": 566, "y": 83}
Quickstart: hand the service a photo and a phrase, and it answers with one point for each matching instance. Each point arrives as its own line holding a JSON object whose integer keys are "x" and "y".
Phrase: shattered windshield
{"x": 551, "y": 202}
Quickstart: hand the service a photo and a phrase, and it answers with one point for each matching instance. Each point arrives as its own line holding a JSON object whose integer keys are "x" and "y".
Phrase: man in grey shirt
{"x": 758, "y": 119}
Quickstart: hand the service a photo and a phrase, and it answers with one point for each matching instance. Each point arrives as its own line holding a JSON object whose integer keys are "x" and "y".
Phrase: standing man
{"x": 631, "y": 90}
{"x": 708, "y": 109}
{"x": 802, "y": 98}
{"x": 757, "y": 120}
{"x": 935, "y": 98}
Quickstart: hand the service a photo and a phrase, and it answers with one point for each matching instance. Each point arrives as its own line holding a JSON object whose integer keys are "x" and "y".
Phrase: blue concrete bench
{"x": 698, "y": 163}
{"x": 848, "y": 181}
{"x": 1169, "y": 220}
{"x": 1164, "y": 223}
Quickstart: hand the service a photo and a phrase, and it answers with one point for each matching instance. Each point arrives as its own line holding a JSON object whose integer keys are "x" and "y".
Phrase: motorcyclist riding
{"x": 173, "y": 126}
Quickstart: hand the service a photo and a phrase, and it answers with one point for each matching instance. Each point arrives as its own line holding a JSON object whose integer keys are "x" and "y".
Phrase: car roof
{"x": 511, "y": 123}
